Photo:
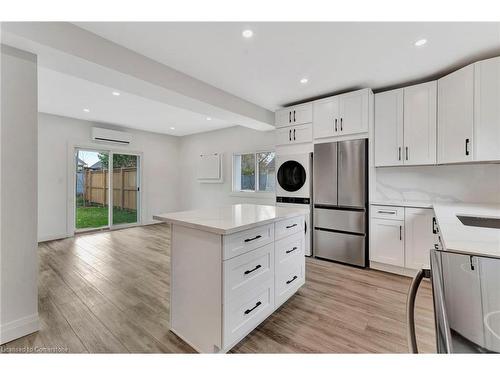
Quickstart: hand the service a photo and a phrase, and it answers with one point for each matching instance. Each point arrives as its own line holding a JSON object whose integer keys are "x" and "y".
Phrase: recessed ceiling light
{"x": 420, "y": 42}
{"x": 172, "y": 128}
{"x": 209, "y": 118}
{"x": 247, "y": 33}
{"x": 86, "y": 110}
{"x": 116, "y": 93}
{"x": 304, "y": 81}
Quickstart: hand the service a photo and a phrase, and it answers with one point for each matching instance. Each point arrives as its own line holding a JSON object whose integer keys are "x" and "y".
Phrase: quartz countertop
{"x": 231, "y": 218}
{"x": 470, "y": 240}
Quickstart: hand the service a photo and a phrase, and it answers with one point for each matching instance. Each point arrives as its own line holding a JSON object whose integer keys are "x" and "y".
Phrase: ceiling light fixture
{"x": 420, "y": 42}
{"x": 116, "y": 93}
{"x": 86, "y": 110}
{"x": 247, "y": 33}
{"x": 209, "y": 118}
{"x": 304, "y": 81}
{"x": 172, "y": 128}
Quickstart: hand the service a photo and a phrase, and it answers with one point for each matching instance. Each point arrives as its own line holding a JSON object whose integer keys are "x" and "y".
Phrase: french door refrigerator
{"x": 340, "y": 196}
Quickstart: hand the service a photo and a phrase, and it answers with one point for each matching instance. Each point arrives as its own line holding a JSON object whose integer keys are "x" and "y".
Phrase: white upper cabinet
{"x": 326, "y": 117}
{"x": 420, "y": 124}
{"x": 301, "y": 114}
{"x": 456, "y": 116}
{"x": 389, "y": 128}
{"x": 405, "y": 126}
{"x": 341, "y": 115}
{"x": 487, "y": 110}
{"x": 294, "y": 134}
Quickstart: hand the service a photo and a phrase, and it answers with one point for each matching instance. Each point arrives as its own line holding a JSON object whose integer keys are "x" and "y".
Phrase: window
{"x": 254, "y": 172}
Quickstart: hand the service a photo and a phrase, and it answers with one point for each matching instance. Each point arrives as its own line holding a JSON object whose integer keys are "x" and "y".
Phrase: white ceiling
{"x": 66, "y": 95}
{"x": 266, "y": 69}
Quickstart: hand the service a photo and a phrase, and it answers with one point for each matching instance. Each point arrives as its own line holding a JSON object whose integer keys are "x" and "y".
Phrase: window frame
{"x": 256, "y": 191}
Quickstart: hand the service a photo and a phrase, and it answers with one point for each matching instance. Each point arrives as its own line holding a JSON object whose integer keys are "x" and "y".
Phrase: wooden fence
{"x": 96, "y": 187}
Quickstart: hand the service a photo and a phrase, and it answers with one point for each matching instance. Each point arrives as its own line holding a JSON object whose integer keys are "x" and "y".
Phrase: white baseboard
{"x": 53, "y": 237}
{"x": 19, "y": 328}
{"x": 393, "y": 269}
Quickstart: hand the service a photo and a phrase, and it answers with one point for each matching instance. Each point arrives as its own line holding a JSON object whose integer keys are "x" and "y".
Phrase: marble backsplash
{"x": 471, "y": 183}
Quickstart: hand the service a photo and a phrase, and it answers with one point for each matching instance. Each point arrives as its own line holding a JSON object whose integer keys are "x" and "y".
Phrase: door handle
{"x": 290, "y": 135}
{"x": 335, "y": 125}
{"x": 399, "y": 153}
{"x": 291, "y": 250}
{"x": 294, "y": 134}
{"x": 406, "y": 149}
{"x": 253, "y": 239}
{"x": 341, "y": 120}
{"x": 467, "y": 141}
{"x": 253, "y": 269}
{"x": 434, "y": 229}
{"x": 386, "y": 212}
{"x": 294, "y": 120}
{"x": 289, "y": 117}
{"x": 291, "y": 226}
{"x": 292, "y": 279}
{"x": 400, "y": 233}
{"x": 248, "y": 311}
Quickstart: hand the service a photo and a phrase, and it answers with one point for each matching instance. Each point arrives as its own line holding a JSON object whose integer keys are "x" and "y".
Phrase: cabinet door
{"x": 284, "y": 136}
{"x": 462, "y": 295}
{"x": 419, "y": 237}
{"x": 487, "y": 110}
{"x": 420, "y": 105}
{"x": 455, "y": 116}
{"x": 283, "y": 117}
{"x": 326, "y": 118}
{"x": 301, "y": 114}
{"x": 353, "y": 112}
{"x": 302, "y": 133}
{"x": 389, "y": 128}
{"x": 388, "y": 242}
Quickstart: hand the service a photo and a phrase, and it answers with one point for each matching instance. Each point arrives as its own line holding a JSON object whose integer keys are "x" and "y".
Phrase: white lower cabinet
{"x": 420, "y": 237}
{"x": 388, "y": 242}
{"x": 403, "y": 237}
{"x": 258, "y": 280}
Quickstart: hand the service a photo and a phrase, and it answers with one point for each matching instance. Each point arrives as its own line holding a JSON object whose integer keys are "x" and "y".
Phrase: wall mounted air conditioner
{"x": 111, "y": 136}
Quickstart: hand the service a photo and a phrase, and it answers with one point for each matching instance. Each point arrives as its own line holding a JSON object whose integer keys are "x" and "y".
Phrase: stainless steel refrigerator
{"x": 340, "y": 196}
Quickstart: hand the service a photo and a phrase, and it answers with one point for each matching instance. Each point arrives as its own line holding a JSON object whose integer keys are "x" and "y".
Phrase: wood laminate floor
{"x": 109, "y": 292}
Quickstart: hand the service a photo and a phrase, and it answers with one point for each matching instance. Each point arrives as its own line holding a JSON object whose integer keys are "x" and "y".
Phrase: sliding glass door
{"x": 93, "y": 184}
{"x": 125, "y": 189}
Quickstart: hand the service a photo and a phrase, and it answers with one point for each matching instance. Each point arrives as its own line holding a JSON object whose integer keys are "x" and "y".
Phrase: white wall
{"x": 227, "y": 141}
{"x": 18, "y": 196}
{"x": 56, "y": 137}
{"x": 473, "y": 183}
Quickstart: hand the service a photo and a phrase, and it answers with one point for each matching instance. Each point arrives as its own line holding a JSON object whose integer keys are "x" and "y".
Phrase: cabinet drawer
{"x": 287, "y": 227}
{"x": 241, "y": 242}
{"x": 246, "y": 311}
{"x": 247, "y": 270}
{"x": 289, "y": 247}
{"x": 388, "y": 212}
{"x": 289, "y": 277}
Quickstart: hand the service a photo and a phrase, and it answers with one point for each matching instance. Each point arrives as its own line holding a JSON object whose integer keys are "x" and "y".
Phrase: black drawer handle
{"x": 292, "y": 279}
{"x": 253, "y": 269}
{"x": 255, "y": 238}
{"x": 293, "y": 249}
{"x": 248, "y": 311}
{"x": 291, "y": 226}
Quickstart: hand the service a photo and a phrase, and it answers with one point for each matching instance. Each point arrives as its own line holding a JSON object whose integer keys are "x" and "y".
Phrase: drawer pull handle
{"x": 292, "y": 279}
{"x": 292, "y": 249}
{"x": 291, "y": 226}
{"x": 253, "y": 269}
{"x": 248, "y": 311}
{"x": 255, "y": 238}
{"x": 387, "y": 212}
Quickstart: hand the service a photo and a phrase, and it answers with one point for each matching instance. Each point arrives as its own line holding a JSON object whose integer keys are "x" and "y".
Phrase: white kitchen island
{"x": 231, "y": 267}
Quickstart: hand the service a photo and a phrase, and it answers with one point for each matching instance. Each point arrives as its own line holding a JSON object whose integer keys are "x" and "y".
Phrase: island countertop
{"x": 230, "y": 218}
{"x": 470, "y": 240}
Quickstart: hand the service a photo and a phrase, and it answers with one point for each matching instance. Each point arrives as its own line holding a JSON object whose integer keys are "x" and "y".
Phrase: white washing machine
{"x": 294, "y": 187}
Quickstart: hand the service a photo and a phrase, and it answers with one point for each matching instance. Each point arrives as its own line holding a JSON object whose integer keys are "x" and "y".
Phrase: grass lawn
{"x": 94, "y": 217}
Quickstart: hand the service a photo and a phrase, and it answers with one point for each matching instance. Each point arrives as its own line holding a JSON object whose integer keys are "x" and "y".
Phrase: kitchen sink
{"x": 478, "y": 221}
